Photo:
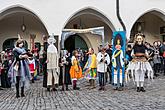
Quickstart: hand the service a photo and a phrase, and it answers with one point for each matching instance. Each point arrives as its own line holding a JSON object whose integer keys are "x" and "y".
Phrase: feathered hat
{"x": 20, "y": 40}
{"x": 139, "y": 34}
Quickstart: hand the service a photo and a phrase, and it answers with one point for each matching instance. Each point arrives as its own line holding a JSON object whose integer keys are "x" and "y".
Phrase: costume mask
{"x": 139, "y": 39}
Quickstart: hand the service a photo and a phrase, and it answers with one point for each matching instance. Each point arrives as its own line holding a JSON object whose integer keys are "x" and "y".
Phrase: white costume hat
{"x": 51, "y": 47}
{"x": 51, "y": 40}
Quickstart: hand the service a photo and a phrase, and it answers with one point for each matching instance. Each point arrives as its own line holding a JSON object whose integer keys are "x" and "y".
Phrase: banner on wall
{"x": 118, "y": 66}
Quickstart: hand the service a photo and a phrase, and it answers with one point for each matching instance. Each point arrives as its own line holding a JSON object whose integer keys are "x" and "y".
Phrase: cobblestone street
{"x": 37, "y": 98}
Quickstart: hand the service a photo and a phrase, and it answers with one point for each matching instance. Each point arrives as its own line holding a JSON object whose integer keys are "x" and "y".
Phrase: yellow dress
{"x": 75, "y": 70}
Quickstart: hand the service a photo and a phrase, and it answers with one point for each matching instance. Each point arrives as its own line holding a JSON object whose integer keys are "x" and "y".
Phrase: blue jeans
{"x": 101, "y": 78}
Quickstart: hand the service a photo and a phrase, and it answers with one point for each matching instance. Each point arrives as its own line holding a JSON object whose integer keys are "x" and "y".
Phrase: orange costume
{"x": 75, "y": 70}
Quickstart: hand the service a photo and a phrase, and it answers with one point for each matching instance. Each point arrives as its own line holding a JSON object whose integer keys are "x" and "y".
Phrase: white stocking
{"x": 142, "y": 84}
{"x": 137, "y": 82}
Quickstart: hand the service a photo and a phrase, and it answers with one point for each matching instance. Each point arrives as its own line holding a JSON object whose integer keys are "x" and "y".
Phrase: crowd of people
{"x": 19, "y": 66}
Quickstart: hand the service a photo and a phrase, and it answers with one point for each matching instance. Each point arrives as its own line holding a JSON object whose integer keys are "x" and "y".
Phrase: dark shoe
{"x": 156, "y": 75}
{"x": 100, "y": 88}
{"x": 48, "y": 89}
{"x": 103, "y": 89}
{"x": 138, "y": 89}
{"x": 120, "y": 89}
{"x": 76, "y": 88}
{"x": 67, "y": 88}
{"x": 142, "y": 89}
{"x": 62, "y": 88}
{"x": 22, "y": 95}
{"x": 17, "y": 96}
{"x": 22, "y": 92}
{"x": 54, "y": 89}
{"x": 32, "y": 80}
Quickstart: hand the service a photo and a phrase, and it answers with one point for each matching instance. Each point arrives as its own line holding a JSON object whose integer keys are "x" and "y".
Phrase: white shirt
{"x": 102, "y": 66}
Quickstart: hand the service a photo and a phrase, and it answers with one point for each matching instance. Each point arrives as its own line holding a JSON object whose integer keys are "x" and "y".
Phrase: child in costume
{"x": 32, "y": 66}
{"x": 19, "y": 70}
{"x": 75, "y": 70}
{"x": 91, "y": 68}
{"x": 103, "y": 61}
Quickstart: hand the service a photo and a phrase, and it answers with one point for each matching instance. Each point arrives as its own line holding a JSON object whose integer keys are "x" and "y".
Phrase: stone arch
{"x": 20, "y": 8}
{"x": 91, "y": 11}
{"x": 157, "y": 12}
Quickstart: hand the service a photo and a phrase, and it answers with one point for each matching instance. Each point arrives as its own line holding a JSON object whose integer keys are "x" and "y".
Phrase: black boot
{"x": 17, "y": 90}
{"x": 67, "y": 87}
{"x": 63, "y": 87}
{"x": 138, "y": 89}
{"x": 22, "y": 92}
{"x": 48, "y": 89}
{"x": 142, "y": 89}
{"x": 32, "y": 80}
{"x": 54, "y": 89}
{"x": 75, "y": 86}
{"x": 100, "y": 88}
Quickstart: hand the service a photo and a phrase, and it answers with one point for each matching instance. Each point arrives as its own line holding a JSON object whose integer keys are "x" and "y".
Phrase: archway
{"x": 9, "y": 43}
{"x": 91, "y": 18}
{"x": 75, "y": 42}
{"x": 151, "y": 24}
{"x": 19, "y": 20}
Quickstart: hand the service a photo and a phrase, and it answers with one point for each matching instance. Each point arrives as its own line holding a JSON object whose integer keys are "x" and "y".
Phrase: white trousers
{"x": 52, "y": 73}
{"x": 139, "y": 76}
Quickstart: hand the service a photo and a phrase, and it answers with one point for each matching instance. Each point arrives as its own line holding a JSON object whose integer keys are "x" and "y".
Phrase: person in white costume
{"x": 140, "y": 65}
{"x": 52, "y": 65}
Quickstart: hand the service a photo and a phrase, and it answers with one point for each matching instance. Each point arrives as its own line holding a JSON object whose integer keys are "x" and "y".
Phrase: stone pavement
{"x": 37, "y": 98}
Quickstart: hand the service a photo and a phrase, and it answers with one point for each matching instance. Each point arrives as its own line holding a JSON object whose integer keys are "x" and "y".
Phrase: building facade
{"x": 46, "y": 17}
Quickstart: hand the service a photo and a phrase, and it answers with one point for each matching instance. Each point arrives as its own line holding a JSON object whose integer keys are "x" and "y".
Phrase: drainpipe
{"x": 118, "y": 15}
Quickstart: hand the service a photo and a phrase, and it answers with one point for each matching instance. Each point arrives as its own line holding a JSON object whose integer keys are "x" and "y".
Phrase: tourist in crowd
{"x": 75, "y": 70}
{"x": 128, "y": 52}
{"x": 150, "y": 52}
{"x": 109, "y": 70}
{"x": 0, "y": 73}
{"x": 90, "y": 68}
{"x": 156, "y": 59}
{"x": 4, "y": 71}
{"x": 163, "y": 54}
{"x": 65, "y": 64}
{"x": 103, "y": 60}
{"x": 44, "y": 63}
{"x": 52, "y": 65}
{"x": 85, "y": 57}
{"x": 19, "y": 70}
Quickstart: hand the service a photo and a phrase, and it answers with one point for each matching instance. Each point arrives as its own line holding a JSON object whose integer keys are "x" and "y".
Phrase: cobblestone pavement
{"x": 37, "y": 98}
